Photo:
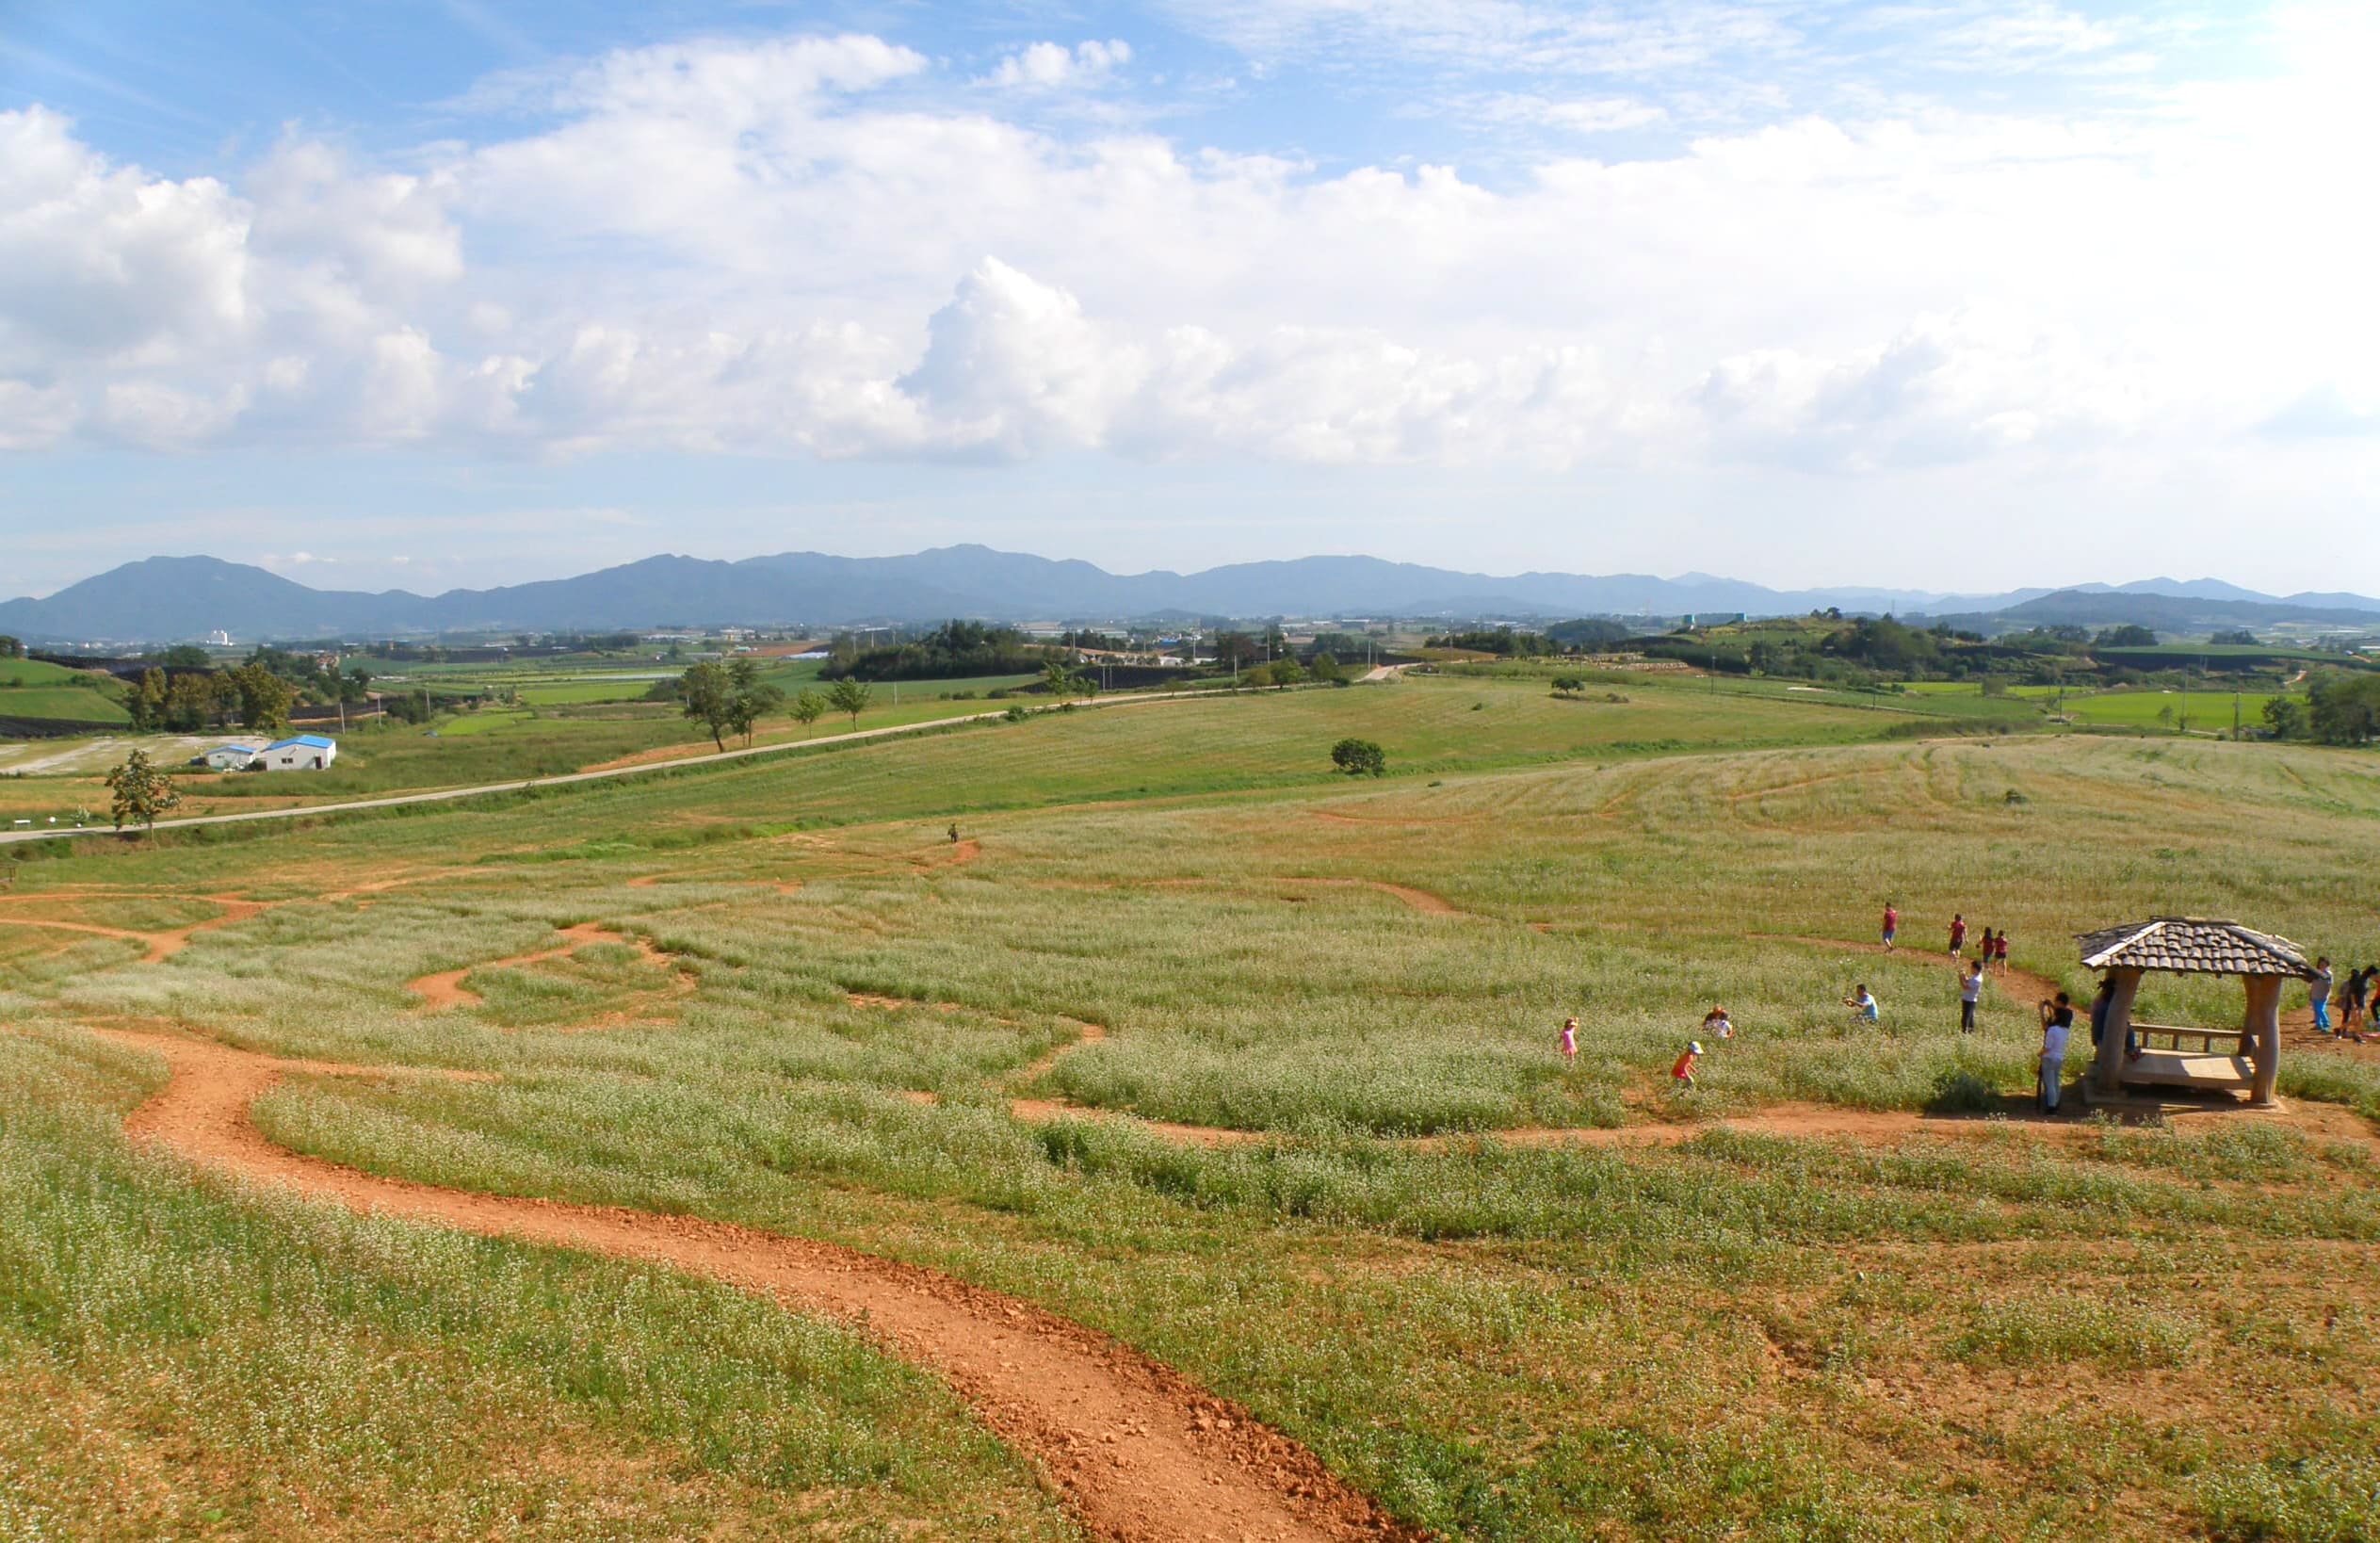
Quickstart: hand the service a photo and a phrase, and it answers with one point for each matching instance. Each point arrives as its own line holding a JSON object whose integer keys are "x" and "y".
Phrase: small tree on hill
{"x": 850, "y": 696}
{"x": 1284, "y": 673}
{"x": 1062, "y": 680}
{"x": 137, "y": 792}
{"x": 1327, "y": 668}
{"x": 1360, "y": 758}
{"x": 750, "y": 699}
{"x": 710, "y": 699}
{"x": 1568, "y": 685}
{"x": 808, "y": 708}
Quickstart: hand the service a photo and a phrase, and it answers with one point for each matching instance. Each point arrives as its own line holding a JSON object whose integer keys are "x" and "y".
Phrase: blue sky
{"x": 1939, "y": 294}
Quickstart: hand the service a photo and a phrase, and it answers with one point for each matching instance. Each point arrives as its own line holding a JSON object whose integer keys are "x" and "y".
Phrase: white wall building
{"x": 300, "y": 753}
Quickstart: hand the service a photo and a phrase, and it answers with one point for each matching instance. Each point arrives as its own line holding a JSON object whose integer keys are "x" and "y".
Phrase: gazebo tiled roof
{"x": 2191, "y": 946}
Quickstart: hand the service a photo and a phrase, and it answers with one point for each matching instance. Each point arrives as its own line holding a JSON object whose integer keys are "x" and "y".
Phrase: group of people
{"x": 2356, "y": 996}
{"x": 1716, "y": 1024}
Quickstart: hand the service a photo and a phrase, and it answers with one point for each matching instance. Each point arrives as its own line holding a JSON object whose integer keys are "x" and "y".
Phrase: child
{"x": 1682, "y": 1074}
{"x": 1958, "y": 935}
{"x": 2000, "y": 952}
{"x": 1569, "y": 1042}
{"x": 1716, "y": 1025}
{"x": 1863, "y": 1006}
{"x": 2320, "y": 991}
{"x": 1892, "y": 925}
{"x": 2057, "y": 1023}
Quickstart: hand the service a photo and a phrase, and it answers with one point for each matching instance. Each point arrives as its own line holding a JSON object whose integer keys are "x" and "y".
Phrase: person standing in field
{"x": 1681, "y": 1076}
{"x": 2319, "y": 989}
{"x": 1569, "y": 1042}
{"x": 2358, "y": 987}
{"x": 2000, "y": 952}
{"x": 1958, "y": 935}
{"x": 2057, "y": 1025}
{"x": 1892, "y": 925}
{"x": 1970, "y": 993}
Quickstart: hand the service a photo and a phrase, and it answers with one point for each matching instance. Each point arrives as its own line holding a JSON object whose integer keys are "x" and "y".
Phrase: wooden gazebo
{"x": 2247, "y": 1059}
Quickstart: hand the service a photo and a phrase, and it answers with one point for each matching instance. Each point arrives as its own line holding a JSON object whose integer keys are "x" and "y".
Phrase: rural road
{"x": 443, "y": 795}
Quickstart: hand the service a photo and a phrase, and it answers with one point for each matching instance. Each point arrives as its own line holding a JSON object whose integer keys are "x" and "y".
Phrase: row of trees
{"x": 732, "y": 699}
{"x": 196, "y": 699}
{"x": 2340, "y": 709}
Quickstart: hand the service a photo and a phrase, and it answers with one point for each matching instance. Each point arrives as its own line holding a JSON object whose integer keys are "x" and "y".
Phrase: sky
{"x": 1937, "y": 293}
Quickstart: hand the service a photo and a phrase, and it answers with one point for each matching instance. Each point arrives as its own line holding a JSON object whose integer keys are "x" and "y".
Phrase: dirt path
{"x": 162, "y": 945}
{"x": 445, "y": 989}
{"x": 1140, "y": 1453}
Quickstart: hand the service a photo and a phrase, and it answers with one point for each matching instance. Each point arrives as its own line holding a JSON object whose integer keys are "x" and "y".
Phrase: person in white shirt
{"x": 2057, "y": 1023}
{"x": 1970, "y": 993}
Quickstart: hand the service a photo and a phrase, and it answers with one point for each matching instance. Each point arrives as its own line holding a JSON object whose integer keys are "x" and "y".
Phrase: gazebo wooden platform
{"x": 2243, "y": 1059}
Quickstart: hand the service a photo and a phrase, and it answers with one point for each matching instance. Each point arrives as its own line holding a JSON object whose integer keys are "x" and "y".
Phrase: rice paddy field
{"x": 1141, "y": 1029}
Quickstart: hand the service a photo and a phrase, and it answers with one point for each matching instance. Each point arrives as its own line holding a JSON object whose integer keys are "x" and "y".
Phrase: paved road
{"x": 443, "y": 795}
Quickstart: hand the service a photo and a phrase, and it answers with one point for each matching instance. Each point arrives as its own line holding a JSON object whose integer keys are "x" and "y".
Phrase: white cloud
{"x": 1050, "y": 66}
{"x": 795, "y": 247}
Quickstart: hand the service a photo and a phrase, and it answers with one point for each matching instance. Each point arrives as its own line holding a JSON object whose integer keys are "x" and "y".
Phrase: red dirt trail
{"x": 1140, "y": 1455}
{"x": 162, "y": 945}
{"x": 445, "y": 989}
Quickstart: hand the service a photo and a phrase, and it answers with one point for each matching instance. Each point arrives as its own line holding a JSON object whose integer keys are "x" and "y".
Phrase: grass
{"x": 68, "y": 704}
{"x": 1746, "y": 1335}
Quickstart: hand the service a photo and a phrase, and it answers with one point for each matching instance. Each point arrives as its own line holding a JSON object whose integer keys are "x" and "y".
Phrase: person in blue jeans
{"x": 2320, "y": 991}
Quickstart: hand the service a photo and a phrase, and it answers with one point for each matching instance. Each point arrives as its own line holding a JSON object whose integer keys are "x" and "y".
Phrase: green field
{"x": 68, "y": 704}
{"x": 1313, "y": 1160}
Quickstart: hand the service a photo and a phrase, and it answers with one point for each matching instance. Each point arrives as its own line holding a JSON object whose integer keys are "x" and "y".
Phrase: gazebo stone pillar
{"x": 2262, "y": 1030}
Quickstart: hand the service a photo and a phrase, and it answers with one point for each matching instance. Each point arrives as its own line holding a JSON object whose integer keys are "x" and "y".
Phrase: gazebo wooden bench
{"x": 2243, "y": 1059}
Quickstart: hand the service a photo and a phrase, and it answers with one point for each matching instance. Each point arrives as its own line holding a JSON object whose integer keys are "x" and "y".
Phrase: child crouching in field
{"x": 1718, "y": 1025}
{"x": 1681, "y": 1076}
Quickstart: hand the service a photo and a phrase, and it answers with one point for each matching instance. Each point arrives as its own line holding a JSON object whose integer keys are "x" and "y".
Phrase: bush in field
{"x": 1360, "y": 758}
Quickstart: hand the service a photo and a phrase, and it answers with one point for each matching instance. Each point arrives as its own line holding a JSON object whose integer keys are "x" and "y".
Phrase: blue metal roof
{"x": 311, "y": 742}
{"x": 242, "y": 750}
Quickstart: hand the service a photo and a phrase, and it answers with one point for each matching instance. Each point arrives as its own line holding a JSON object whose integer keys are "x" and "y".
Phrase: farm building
{"x": 229, "y": 757}
{"x": 298, "y": 753}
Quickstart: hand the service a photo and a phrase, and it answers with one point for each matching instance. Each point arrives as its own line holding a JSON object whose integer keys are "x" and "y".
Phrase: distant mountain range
{"x": 166, "y": 599}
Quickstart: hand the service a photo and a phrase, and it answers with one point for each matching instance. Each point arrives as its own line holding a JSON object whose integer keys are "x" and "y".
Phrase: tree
{"x": 710, "y": 699}
{"x": 1284, "y": 673}
{"x": 2238, "y": 638}
{"x": 808, "y": 708}
{"x": 1568, "y": 685}
{"x": 2130, "y": 635}
{"x": 850, "y": 696}
{"x": 1326, "y": 668}
{"x": 187, "y": 656}
{"x": 265, "y": 698}
{"x": 138, "y": 793}
{"x": 1360, "y": 758}
{"x": 2343, "y": 707}
{"x": 146, "y": 701}
{"x": 1061, "y": 681}
{"x": 10, "y": 648}
{"x": 2285, "y": 717}
{"x": 751, "y": 698}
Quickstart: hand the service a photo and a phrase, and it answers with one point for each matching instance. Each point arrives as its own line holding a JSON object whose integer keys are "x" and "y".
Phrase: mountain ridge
{"x": 165, "y": 599}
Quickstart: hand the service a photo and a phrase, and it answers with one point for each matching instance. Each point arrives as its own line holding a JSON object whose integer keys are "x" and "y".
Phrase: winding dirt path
{"x": 162, "y": 943}
{"x": 444, "y": 989}
{"x": 1140, "y": 1453}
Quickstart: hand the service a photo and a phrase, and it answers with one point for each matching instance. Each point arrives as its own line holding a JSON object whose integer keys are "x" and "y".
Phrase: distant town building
{"x": 298, "y": 753}
{"x": 229, "y": 757}
{"x": 219, "y": 639}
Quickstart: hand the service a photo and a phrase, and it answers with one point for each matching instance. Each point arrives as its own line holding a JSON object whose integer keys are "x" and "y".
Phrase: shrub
{"x": 1360, "y": 758}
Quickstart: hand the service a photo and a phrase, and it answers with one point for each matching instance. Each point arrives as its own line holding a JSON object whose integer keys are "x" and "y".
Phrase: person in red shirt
{"x": 1892, "y": 924}
{"x": 1958, "y": 935}
{"x": 1682, "y": 1074}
